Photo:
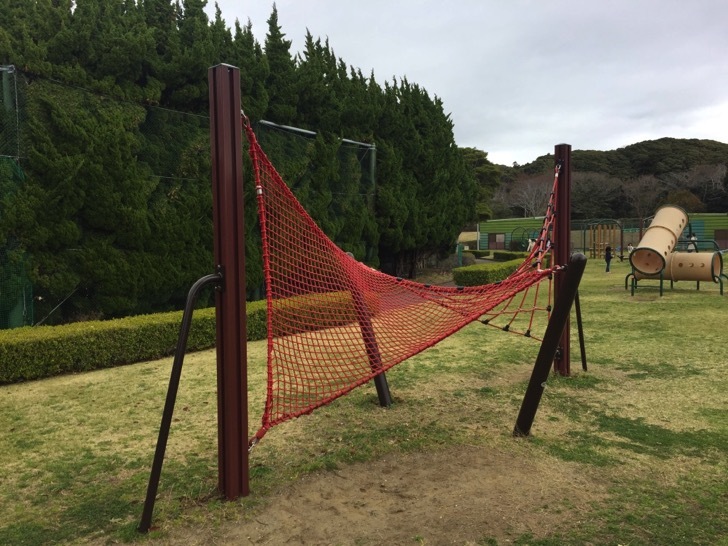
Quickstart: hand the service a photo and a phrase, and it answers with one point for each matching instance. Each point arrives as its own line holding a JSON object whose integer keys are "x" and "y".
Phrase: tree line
{"x": 113, "y": 211}
{"x": 629, "y": 182}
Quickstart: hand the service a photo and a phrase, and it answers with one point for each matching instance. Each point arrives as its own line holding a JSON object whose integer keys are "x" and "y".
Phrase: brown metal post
{"x": 229, "y": 245}
{"x": 562, "y": 252}
{"x": 559, "y": 318}
{"x": 372, "y": 347}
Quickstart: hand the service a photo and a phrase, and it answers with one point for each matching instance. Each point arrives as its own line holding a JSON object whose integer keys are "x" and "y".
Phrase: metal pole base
{"x": 179, "y": 355}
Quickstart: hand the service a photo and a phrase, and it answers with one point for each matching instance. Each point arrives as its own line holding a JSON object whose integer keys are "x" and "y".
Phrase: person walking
{"x": 608, "y": 256}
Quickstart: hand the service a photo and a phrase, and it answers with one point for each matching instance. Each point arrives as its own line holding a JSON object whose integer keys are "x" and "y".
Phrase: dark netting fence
{"x": 106, "y": 205}
{"x": 16, "y": 289}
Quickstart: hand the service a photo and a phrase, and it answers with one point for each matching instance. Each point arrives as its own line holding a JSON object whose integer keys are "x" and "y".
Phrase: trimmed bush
{"x": 508, "y": 255}
{"x": 320, "y": 311}
{"x": 476, "y": 275}
{"x": 468, "y": 258}
{"x": 44, "y": 351}
{"x": 480, "y": 253}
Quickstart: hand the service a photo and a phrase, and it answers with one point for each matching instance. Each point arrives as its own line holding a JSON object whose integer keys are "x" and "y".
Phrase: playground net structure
{"x": 334, "y": 323}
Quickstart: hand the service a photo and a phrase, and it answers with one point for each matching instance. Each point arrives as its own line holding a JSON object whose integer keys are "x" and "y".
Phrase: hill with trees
{"x": 629, "y": 182}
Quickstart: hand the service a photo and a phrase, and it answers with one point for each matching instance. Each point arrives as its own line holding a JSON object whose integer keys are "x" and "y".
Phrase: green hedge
{"x": 476, "y": 275}
{"x": 508, "y": 255}
{"x": 320, "y": 311}
{"x": 480, "y": 253}
{"x": 44, "y": 351}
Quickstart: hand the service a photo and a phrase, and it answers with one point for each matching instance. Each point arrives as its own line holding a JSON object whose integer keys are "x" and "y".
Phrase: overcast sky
{"x": 520, "y": 76}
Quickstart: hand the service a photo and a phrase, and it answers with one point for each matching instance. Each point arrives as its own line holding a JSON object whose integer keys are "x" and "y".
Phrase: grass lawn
{"x": 648, "y": 423}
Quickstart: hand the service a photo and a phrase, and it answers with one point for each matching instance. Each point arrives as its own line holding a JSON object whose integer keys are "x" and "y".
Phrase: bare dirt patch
{"x": 468, "y": 495}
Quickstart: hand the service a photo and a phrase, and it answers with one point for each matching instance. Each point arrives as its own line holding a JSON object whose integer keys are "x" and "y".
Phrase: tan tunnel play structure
{"x": 688, "y": 266}
{"x": 655, "y": 258}
{"x": 659, "y": 240}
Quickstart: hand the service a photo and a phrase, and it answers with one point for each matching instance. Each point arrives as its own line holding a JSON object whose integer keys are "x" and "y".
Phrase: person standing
{"x": 608, "y": 256}
{"x": 693, "y": 244}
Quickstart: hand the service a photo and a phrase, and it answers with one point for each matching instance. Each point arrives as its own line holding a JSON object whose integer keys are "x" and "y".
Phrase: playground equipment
{"x": 334, "y": 323}
{"x": 659, "y": 240}
{"x": 521, "y": 236}
{"x": 602, "y": 234}
{"x": 656, "y": 258}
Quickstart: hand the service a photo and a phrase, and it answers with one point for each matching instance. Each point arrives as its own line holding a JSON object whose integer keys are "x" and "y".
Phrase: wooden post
{"x": 229, "y": 245}
{"x": 562, "y": 252}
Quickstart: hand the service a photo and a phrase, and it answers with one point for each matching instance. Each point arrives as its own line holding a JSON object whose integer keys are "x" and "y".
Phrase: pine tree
{"x": 193, "y": 54}
{"x": 281, "y": 80}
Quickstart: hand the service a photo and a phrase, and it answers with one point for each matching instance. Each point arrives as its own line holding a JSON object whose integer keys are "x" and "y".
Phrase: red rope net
{"x": 333, "y": 322}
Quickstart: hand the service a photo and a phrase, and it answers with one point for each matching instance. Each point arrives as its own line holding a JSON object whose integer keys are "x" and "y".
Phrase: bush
{"x": 468, "y": 258}
{"x": 507, "y": 255}
{"x": 480, "y": 274}
{"x": 44, "y": 351}
{"x": 477, "y": 275}
{"x": 480, "y": 253}
{"x": 320, "y": 311}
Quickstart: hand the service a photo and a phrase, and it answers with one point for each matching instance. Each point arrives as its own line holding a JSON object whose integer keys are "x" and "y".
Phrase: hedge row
{"x": 320, "y": 311}
{"x": 508, "y": 255}
{"x": 45, "y": 351}
{"x": 480, "y": 253}
{"x": 476, "y": 275}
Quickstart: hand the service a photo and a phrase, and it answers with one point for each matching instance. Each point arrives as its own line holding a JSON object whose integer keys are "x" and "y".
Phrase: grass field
{"x": 643, "y": 435}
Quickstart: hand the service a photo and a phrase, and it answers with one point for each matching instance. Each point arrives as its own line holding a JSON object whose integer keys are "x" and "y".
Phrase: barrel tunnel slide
{"x": 655, "y": 256}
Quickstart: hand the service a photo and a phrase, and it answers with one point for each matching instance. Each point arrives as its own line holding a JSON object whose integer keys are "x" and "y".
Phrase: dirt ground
{"x": 458, "y": 496}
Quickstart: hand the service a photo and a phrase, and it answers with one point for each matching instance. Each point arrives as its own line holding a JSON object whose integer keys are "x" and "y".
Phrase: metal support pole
{"x": 562, "y": 234}
{"x": 179, "y": 356}
{"x": 549, "y": 345}
{"x": 229, "y": 247}
{"x": 580, "y": 328}
{"x": 372, "y": 347}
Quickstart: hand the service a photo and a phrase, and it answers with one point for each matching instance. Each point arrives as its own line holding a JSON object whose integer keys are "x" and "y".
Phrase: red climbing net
{"x": 334, "y": 323}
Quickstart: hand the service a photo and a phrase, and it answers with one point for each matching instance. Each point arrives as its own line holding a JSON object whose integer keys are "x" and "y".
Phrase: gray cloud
{"x": 520, "y": 76}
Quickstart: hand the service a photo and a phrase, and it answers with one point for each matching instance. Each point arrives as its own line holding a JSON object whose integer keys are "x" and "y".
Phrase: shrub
{"x": 44, "y": 351}
{"x": 476, "y": 275}
{"x": 321, "y": 311}
{"x": 507, "y": 255}
{"x": 480, "y": 253}
{"x": 468, "y": 258}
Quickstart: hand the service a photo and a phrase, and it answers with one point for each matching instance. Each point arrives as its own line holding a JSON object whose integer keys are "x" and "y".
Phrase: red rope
{"x": 335, "y": 323}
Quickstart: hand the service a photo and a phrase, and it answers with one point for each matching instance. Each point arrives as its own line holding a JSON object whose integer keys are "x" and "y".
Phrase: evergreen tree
{"x": 194, "y": 52}
{"x": 281, "y": 80}
{"x": 247, "y": 54}
{"x": 487, "y": 176}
